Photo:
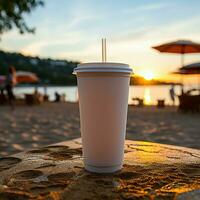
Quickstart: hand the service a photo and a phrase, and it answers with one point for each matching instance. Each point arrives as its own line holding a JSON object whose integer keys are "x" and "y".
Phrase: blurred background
{"x": 43, "y": 41}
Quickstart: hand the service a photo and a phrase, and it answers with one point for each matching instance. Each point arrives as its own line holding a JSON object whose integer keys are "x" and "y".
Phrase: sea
{"x": 150, "y": 94}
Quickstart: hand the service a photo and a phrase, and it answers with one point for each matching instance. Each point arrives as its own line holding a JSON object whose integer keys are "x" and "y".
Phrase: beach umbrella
{"x": 194, "y": 67}
{"x": 26, "y": 77}
{"x": 186, "y": 72}
{"x": 182, "y": 71}
{"x": 179, "y": 47}
{"x": 22, "y": 77}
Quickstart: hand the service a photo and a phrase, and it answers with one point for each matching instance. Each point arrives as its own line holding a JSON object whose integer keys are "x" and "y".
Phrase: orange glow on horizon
{"x": 148, "y": 75}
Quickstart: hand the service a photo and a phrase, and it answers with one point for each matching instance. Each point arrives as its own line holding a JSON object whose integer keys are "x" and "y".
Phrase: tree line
{"x": 51, "y": 71}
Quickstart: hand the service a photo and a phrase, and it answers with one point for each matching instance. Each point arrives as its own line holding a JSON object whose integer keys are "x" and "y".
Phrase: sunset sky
{"x": 73, "y": 30}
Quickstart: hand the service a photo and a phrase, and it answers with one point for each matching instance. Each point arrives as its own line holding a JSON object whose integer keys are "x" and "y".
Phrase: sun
{"x": 148, "y": 75}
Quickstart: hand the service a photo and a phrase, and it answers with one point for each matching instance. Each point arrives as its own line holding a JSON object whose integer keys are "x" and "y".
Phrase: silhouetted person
{"x": 172, "y": 94}
{"x": 11, "y": 81}
{"x": 57, "y": 97}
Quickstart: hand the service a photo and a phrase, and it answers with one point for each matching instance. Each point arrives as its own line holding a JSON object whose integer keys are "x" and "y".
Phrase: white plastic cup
{"x": 103, "y": 101}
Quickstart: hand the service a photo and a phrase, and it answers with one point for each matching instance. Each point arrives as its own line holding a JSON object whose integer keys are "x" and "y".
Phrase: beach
{"x": 29, "y": 127}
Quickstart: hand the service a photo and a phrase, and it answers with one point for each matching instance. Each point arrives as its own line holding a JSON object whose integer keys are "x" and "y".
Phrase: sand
{"x": 30, "y": 127}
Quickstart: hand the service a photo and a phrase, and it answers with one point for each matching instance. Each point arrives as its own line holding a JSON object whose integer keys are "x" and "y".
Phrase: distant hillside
{"x": 55, "y": 72}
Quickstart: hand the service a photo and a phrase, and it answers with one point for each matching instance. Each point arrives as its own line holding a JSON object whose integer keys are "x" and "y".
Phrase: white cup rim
{"x": 103, "y": 67}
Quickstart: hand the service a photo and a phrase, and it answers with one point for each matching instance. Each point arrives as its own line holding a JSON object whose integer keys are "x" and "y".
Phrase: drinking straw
{"x": 103, "y": 46}
{"x": 105, "y": 49}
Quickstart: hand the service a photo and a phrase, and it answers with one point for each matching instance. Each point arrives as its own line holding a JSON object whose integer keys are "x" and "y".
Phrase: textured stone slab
{"x": 151, "y": 171}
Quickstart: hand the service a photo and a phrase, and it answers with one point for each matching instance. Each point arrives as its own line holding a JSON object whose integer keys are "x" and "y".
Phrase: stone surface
{"x": 151, "y": 171}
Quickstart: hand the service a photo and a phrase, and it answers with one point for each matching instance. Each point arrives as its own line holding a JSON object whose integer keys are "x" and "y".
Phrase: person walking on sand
{"x": 172, "y": 94}
{"x": 11, "y": 81}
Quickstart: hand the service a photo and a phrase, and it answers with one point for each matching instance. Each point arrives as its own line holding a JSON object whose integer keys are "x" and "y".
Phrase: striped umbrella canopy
{"x": 26, "y": 77}
{"x": 179, "y": 47}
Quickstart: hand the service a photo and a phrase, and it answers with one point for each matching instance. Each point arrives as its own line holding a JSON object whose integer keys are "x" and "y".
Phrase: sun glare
{"x": 147, "y": 96}
{"x": 148, "y": 75}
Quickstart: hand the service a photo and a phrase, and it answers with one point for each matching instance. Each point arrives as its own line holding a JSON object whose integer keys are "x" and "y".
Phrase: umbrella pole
{"x": 182, "y": 84}
{"x": 182, "y": 64}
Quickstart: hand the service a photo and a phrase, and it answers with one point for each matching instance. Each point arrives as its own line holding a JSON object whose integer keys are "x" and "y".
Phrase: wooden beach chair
{"x": 33, "y": 99}
{"x": 161, "y": 103}
{"x": 140, "y": 102}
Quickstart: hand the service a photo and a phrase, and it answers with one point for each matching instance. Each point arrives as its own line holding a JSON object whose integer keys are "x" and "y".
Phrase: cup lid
{"x": 103, "y": 67}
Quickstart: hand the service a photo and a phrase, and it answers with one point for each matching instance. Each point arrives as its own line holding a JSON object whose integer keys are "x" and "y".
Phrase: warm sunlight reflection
{"x": 148, "y": 75}
{"x": 147, "y": 96}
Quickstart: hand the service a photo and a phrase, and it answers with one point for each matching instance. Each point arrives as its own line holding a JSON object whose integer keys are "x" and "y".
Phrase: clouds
{"x": 148, "y": 6}
{"x": 53, "y": 45}
{"x": 155, "y": 6}
{"x": 73, "y": 29}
